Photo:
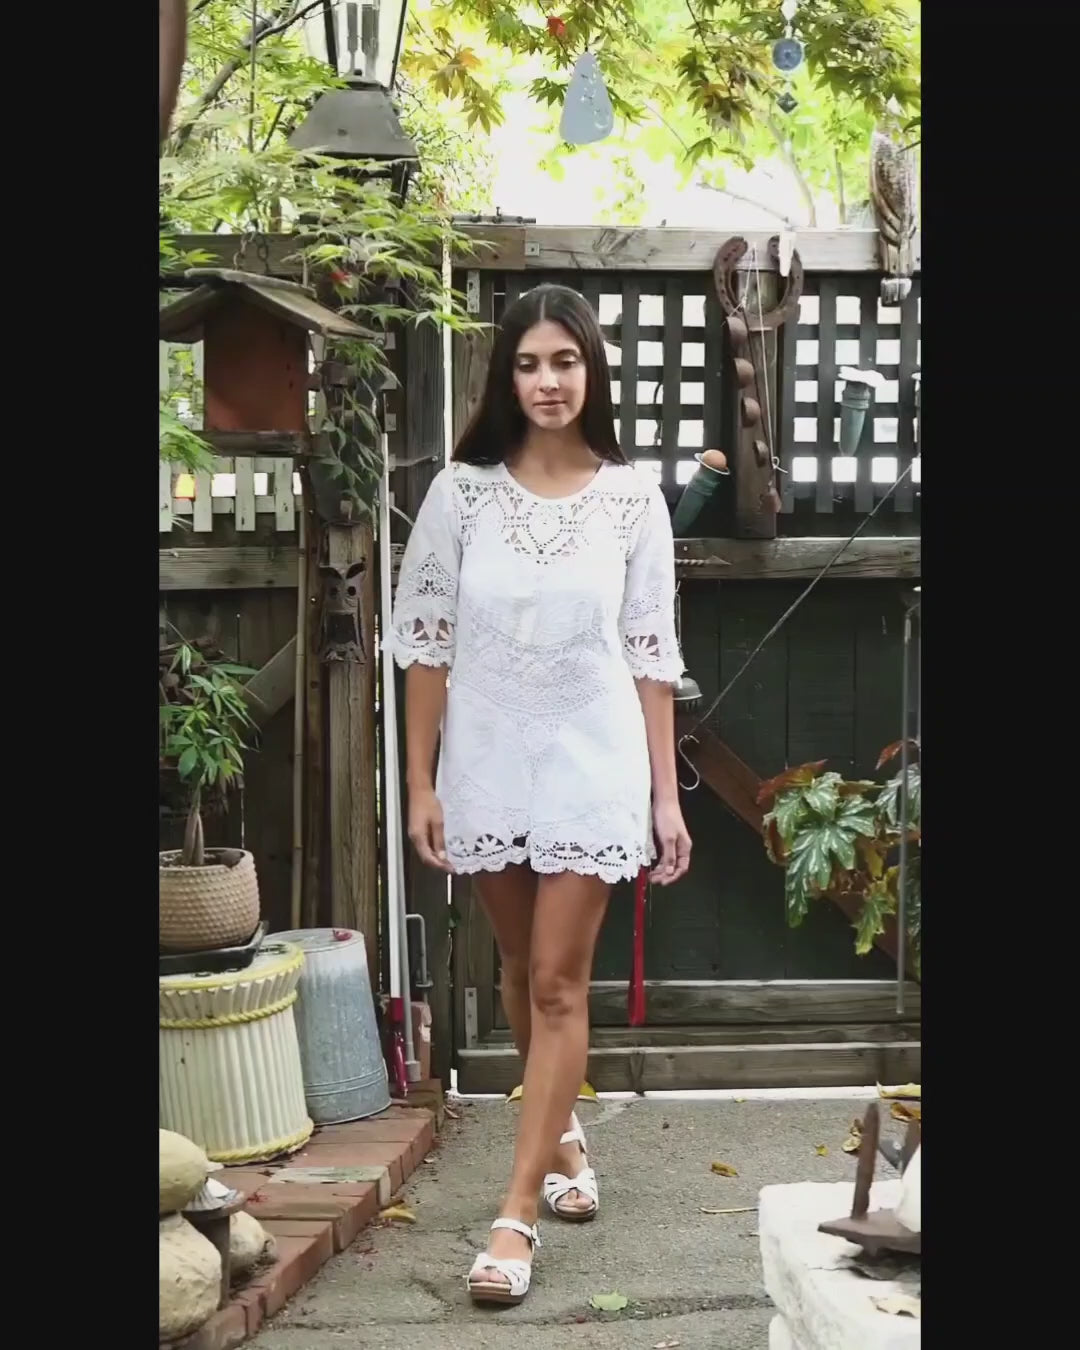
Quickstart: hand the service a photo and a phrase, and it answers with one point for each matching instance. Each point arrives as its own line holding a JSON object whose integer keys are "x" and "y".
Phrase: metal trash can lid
{"x": 312, "y": 940}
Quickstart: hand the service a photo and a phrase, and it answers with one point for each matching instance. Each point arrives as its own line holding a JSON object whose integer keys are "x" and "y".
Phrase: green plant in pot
{"x": 207, "y": 897}
{"x": 840, "y": 838}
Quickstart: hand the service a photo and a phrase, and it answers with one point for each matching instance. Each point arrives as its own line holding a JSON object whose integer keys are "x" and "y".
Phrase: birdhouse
{"x": 255, "y": 332}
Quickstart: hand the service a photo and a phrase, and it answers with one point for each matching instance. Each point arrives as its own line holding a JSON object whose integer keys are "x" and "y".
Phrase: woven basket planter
{"x": 202, "y": 908}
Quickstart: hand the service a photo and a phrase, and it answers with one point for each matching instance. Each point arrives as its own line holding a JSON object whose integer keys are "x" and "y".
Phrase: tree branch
{"x": 284, "y": 17}
{"x": 750, "y": 201}
{"x": 789, "y": 159}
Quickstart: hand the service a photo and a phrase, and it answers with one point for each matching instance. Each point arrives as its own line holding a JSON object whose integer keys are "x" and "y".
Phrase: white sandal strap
{"x": 556, "y": 1186}
{"x": 518, "y": 1273}
{"x": 574, "y": 1135}
{"x": 516, "y": 1226}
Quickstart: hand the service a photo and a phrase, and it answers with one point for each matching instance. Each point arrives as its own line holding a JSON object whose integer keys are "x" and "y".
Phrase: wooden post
{"x": 427, "y": 891}
{"x": 354, "y": 829}
{"x": 755, "y": 515}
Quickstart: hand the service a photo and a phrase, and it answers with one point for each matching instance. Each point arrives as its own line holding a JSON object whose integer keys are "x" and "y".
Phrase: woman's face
{"x": 549, "y": 376}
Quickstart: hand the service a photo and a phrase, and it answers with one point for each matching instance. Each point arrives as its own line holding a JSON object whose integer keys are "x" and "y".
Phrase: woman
{"x": 541, "y": 572}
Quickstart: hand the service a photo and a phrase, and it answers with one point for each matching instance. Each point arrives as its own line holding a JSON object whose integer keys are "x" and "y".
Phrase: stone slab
{"x": 824, "y": 1304}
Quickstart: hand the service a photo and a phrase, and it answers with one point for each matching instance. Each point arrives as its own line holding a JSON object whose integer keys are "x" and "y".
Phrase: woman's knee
{"x": 556, "y": 995}
{"x": 514, "y": 973}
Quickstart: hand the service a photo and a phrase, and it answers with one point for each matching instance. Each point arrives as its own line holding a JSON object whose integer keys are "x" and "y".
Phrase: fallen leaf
{"x": 905, "y": 1111}
{"x": 398, "y": 1214}
{"x": 899, "y": 1305}
{"x": 586, "y": 1093}
{"x": 738, "y": 1100}
{"x": 666, "y": 1345}
{"x": 854, "y": 1139}
{"x": 451, "y": 1113}
{"x": 821, "y": 1150}
{"x": 740, "y": 1209}
{"x": 909, "y": 1091}
{"x": 609, "y": 1302}
{"x": 723, "y": 1169}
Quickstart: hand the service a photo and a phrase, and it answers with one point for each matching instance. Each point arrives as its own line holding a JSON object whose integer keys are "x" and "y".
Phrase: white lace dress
{"x": 544, "y": 610}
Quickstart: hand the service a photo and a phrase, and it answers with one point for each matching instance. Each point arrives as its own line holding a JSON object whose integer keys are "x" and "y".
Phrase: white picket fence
{"x": 241, "y": 488}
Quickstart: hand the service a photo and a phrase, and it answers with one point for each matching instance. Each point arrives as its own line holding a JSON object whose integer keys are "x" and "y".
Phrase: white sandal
{"x": 518, "y": 1273}
{"x": 557, "y": 1186}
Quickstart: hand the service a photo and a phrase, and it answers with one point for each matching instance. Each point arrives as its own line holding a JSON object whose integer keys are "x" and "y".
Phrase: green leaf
{"x": 609, "y": 1302}
{"x": 858, "y": 815}
{"x": 877, "y": 904}
{"x": 841, "y": 844}
{"x": 788, "y": 812}
{"x": 822, "y": 795}
{"x": 187, "y": 762}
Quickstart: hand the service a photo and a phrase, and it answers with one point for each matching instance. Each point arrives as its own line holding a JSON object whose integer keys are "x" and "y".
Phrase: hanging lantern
{"x": 361, "y": 42}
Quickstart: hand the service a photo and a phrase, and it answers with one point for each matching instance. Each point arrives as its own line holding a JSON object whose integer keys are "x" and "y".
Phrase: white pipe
{"x": 395, "y": 866}
{"x": 389, "y": 712}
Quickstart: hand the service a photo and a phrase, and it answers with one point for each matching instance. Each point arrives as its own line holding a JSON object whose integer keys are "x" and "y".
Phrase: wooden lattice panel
{"x": 843, "y": 323}
{"x": 671, "y": 385}
{"x": 663, "y": 335}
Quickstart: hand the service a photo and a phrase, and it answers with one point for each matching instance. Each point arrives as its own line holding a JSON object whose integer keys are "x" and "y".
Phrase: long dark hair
{"x": 497, "y": 427}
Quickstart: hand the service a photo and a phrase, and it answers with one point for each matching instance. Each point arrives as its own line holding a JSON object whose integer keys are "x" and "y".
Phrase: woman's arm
{"x": 422, "y": 639}
{"x": 651, "y": 649}
{"x": 425, "y": 701}
{"x": 658, "y": 706}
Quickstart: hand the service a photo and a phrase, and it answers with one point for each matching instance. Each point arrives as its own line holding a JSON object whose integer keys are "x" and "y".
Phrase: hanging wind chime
{"x": 587, "y": 114}
{"x": 787, "y": 56}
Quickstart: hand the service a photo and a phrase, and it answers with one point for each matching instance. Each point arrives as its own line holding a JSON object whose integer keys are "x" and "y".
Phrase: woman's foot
{"x": 571, "y": 1164}
{"x": 502, "y": 1273}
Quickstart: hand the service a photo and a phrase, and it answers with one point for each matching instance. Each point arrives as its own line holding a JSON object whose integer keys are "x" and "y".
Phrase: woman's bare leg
{"x": 509, "y": 899}
{"x": 566, "y": 922}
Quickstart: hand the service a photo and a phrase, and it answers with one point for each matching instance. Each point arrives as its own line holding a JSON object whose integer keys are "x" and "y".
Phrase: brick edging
{"x": 311, "y": 1223}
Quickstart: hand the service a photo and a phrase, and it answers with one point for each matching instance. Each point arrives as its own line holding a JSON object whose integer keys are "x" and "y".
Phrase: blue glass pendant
{"x": 787, "y": 54}
{"x": 587, "y": 114}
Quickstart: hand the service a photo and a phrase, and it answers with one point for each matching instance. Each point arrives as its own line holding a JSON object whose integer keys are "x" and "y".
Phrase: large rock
{"x": 249, "y": 1243}
{"x": 189, "y": 1278}
{"x": 182, "y": 1169}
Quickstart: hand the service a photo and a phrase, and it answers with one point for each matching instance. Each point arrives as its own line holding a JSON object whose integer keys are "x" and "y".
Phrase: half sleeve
{"x": 425, "y": 606}
{"x": 647, "y": 621}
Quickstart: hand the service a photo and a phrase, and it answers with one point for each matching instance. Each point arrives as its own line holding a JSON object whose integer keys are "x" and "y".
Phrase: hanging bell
{"x": 687, "y": 694}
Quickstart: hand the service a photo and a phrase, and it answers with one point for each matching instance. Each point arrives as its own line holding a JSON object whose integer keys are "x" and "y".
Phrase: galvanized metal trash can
{"x": 229, "y": 1071}
{"x": 344, "y": 1069}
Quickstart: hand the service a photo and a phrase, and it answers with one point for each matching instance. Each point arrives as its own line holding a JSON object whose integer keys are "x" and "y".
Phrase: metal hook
{"x": 688, "y": 787}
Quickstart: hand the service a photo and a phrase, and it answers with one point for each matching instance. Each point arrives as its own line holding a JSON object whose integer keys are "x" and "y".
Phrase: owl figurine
{"x": 892, "y": 192}
{"x": 342, "y": 639}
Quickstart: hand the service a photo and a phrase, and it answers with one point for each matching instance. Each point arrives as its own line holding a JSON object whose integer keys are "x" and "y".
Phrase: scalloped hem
{"x": 666, "y": 674}
{"x": 433, "y": 660}
{"x": 545, "y": 866}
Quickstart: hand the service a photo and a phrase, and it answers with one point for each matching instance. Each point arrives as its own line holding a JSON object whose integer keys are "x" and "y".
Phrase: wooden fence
{"x": 720, "y": 957}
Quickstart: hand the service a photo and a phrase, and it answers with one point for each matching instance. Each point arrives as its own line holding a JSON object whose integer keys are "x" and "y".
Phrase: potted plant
{"x": 207, "y": 898}
{"x": 841, "y": 838}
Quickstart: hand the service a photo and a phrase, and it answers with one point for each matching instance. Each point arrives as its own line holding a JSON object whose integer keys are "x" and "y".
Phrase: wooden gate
{"x": 735, "y": 997}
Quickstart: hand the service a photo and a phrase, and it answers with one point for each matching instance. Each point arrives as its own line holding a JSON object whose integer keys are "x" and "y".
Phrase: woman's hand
{"x": 426, "y": 828}
{"x": 674, "y": 841}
